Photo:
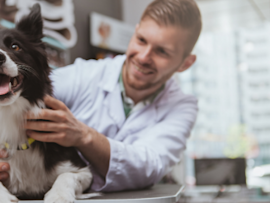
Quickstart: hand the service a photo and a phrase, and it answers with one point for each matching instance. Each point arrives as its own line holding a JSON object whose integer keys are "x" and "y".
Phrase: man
{"x": 127, "y": 116}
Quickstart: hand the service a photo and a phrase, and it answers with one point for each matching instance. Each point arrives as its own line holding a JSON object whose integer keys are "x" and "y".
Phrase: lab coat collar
{"x": 113, "y": 69}
{"x": 113, "y": 100}
{"x": 114, "y": 106}
{"x": 109, "y": 84}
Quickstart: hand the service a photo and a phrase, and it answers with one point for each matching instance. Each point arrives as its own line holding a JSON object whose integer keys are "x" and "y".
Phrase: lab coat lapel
{"x": 138, "y": 121}
{"x": 113, "y": 100}
{"x": 113, "y": 103}
{"x": 147, "y": 116}
{"x": 141, "y": 119}
{"x": 151, "y": 114}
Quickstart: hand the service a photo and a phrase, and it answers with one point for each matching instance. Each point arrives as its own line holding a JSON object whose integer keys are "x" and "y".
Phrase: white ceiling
{"x": 216, "y": 14}
{"x": 230, "y": 14}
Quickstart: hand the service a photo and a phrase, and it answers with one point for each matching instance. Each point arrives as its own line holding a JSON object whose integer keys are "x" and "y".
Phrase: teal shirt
{"x": 129, "y": 105}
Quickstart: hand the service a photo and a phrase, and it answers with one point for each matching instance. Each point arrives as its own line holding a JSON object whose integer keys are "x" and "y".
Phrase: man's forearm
{"x": 96, "y": 149}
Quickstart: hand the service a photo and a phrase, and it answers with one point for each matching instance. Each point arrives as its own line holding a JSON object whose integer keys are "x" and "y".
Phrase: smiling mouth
{"x": 145, "y": 71}
{"x": 9, "y": 85}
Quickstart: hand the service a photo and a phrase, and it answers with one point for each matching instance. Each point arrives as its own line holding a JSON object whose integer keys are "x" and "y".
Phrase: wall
{"x": 129, "y": 11}
{"x": 224, "y": 15}
{"x": 82, "y": 9}
{"x": 227, "y": 14}
{"x": 132, "y": 10}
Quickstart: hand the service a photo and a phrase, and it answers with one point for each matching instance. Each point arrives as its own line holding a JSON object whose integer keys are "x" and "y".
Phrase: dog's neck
{"x": 12, "y": 119}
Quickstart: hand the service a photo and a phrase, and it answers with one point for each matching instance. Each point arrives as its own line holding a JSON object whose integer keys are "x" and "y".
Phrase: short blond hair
{"x": 183, "y": 13}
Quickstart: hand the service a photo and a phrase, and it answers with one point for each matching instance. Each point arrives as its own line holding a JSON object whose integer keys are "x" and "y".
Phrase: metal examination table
{"x": 161, "y": 193}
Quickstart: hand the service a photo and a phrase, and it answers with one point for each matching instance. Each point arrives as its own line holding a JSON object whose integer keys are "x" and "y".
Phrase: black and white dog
{"x": 37, "y": 169}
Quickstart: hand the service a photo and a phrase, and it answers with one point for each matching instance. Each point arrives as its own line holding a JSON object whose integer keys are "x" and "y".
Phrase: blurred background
{"x": 231, "y": 77}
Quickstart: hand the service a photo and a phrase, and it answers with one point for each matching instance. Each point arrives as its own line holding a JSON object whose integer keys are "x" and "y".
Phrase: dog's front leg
{"x": 68, "y": 185}
{"x": 5, "y": 196}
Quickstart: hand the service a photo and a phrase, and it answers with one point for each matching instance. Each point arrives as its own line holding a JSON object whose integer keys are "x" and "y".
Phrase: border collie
{"x": 38, "y": 170}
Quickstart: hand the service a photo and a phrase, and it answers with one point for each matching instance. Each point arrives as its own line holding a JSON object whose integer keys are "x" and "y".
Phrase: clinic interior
{"x": 230, "y": 78}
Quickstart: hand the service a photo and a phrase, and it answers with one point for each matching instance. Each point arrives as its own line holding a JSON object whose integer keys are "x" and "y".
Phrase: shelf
{"x": 48, "y": 40}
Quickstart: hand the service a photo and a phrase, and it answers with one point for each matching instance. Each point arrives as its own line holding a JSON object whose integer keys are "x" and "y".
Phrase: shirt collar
{"x": 129, "y": 103}
{"x": 111, "y": 74}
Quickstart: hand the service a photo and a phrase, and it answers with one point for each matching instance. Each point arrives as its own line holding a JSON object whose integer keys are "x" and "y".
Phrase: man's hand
{"x": 58, "y": 125}
{"x": 4, "y": 167}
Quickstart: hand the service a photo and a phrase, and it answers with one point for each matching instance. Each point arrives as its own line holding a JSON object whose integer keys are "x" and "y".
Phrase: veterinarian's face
{"x": 154, "y": 54}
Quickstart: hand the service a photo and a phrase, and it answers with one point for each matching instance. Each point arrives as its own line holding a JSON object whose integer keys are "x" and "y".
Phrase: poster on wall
{"x": 58, "y": 18}
{"x": 109, "y": 33}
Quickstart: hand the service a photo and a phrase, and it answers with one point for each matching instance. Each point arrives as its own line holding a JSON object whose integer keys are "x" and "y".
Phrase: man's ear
{"x": 188, "y": 62}
{"x": 32, "y": 24}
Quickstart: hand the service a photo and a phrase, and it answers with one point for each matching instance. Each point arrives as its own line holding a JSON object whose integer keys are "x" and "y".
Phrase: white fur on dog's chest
{"x": 27, "y": 167}
{"x": 27, "y": 173}
{"x": 12, "y": 121}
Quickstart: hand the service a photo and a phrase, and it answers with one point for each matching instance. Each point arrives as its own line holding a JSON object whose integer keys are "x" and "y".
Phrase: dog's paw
{"x": 5, "y": 196}
{"x": 8, "y": 198}
{"x": 59, "y": 196}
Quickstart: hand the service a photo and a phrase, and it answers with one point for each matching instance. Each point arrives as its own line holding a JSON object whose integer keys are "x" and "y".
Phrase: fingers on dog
{"x": 3, "y": 154}
{"x": 54, "y": 103}
{"x": 48, "y": 115}
{"x": 4, "y": 167}
{"x": 48, "y": 137}
{"x": 3, "y": 176}
{"x": 44, "y": 114}
{"x": 45, "y": 126}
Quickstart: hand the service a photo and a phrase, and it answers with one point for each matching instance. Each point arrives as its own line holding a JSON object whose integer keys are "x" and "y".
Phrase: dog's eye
{"x": 15, "y": 47}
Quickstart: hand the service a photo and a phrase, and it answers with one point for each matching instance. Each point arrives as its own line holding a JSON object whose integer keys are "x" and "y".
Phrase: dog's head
{"x": 24, "y": 69}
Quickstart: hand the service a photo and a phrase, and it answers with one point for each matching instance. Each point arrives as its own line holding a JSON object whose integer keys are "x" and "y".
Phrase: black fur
{"x": 33, "y": 64}
{"x": 32, "y": 56}
{"x": 53, "y": 155}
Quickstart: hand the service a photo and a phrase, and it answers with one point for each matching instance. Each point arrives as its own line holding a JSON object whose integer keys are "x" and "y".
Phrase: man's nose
{"x": 145, "y": 55}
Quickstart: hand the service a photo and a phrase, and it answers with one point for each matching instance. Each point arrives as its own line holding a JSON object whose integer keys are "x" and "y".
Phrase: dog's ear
{"x": 32, "y": 24}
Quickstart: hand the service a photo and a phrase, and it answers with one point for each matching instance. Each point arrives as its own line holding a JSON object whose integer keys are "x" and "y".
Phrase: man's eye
{"x": 141, "y": 40}
{"x": 15, "y": 47}
{"x": 162, "y": 51}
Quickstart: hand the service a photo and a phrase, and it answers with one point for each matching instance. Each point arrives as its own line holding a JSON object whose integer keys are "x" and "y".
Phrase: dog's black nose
{"x": 2, "y": 58}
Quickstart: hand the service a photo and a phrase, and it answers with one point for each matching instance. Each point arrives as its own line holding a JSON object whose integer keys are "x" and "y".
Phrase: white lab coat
{"x": 145, "y": 145}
